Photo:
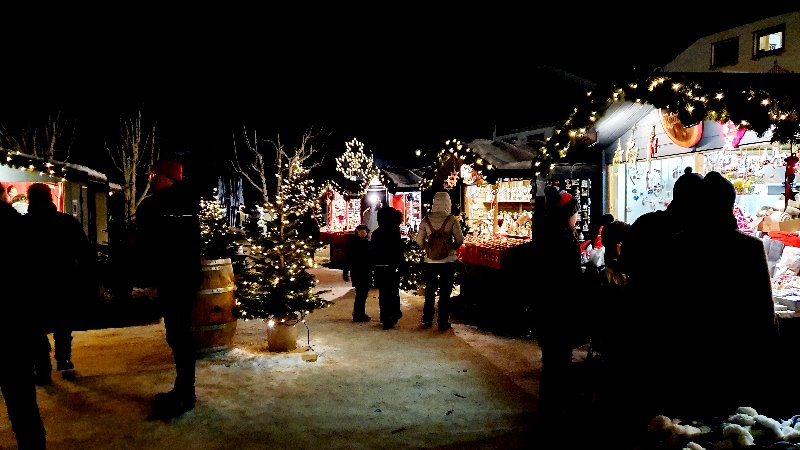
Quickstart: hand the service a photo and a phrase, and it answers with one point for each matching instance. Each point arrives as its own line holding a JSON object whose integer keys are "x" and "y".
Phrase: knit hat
{"x": 687, "y": 187}
{"x": 720, "y": 191}
{"x": 169, "y": 168}
{"x": 561, "y": 203}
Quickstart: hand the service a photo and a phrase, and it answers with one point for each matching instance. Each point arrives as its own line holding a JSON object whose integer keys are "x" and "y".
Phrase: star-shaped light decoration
{"x": 451, "y": 180}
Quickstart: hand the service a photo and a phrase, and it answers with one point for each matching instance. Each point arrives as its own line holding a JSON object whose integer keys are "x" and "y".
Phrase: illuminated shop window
{"x": 768, "y": 41}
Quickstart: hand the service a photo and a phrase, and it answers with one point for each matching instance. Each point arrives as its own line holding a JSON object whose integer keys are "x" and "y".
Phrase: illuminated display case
{"x": 504, "y": 208}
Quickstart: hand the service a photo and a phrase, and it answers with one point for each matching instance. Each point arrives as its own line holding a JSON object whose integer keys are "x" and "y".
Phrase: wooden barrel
{"x": 213, "y": 323}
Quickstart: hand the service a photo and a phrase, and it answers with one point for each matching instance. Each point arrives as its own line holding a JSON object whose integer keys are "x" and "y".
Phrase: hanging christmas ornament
{"x": 451, "y": 180}
{"x": 618, "y": 154}
{"x": 731, "y": 134}
{"x": 653, "y": 143}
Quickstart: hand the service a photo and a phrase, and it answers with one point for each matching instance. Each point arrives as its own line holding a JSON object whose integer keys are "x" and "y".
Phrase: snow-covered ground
{"x": 368, "y": 388}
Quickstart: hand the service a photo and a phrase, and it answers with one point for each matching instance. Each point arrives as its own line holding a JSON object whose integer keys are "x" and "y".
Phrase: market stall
{"x": 77, "y": 190}
{"x": 403, "y": 193}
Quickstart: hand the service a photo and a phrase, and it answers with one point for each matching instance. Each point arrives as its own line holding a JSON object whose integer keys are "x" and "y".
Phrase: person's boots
{"x": 64, "y": 365}
{"x": 168, "y": 405}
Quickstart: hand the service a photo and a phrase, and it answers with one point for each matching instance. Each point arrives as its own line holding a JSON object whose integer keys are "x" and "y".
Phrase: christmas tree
{"x": 217, "y": 238}
{"x": 275, "y": 282}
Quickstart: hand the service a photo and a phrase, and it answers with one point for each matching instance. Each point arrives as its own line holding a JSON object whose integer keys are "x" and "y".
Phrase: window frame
{"x": 714, "y": 53}
{"x": 764, "y": 32}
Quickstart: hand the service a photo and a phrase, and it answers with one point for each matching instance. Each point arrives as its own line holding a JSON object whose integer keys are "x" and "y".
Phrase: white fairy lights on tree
{"x": 275, "y": 283}
{"x": 356, "y": 165}
{"x": 217, "y": 238}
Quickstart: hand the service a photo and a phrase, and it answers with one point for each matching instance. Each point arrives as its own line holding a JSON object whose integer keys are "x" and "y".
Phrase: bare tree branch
{"x": 53, "y": 141}
{"x": 132, "y": 156}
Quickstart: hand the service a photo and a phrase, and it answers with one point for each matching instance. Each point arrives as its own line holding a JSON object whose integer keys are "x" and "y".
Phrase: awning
{"x": 400, "y": 180}
{"x": 503, "y": 156}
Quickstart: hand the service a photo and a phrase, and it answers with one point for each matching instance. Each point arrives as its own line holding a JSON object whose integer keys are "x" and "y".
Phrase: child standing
{"x": 358, "y": 267}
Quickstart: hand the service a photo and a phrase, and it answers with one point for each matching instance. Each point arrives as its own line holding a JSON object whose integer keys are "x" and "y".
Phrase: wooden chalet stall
{"x": 496, "y": 204}
{"x": 342, "y": 212}
{"x": 77, "y": 190}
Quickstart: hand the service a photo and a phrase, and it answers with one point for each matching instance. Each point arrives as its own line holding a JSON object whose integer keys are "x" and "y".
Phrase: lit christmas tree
{"x": 275, "y": 282}
{"x": 411, "y": 273}
{"x": 217, "y": 238}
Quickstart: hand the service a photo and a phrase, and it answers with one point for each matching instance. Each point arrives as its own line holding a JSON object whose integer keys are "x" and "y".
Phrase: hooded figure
{"x": 387, "y": 254}
{"x": 439, "y": 274}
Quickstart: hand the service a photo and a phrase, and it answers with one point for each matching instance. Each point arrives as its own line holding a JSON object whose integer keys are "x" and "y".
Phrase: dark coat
{"x": 558, "y": 280}
{"x": 18, "y": 325}
{"x": 69, "y": 269}
{"x": 386, "y": 244}
{"x": 701, "y": 325}
{"x": 168, "y": 238}
{"x": 358, "y": 256}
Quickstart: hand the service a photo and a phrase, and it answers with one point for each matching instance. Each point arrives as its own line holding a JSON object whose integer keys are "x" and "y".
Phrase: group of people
{"x": 168, "y": 233}
{"x": 688, "y": 326}
{"x": 382, "y": 254}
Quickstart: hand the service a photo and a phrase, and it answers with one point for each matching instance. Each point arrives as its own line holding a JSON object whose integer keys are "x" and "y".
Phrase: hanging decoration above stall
{"x": 356, "y": 165}
{"x": 686, "y": 137}
{"x": 748, "y": 105}
{"x": 447, "y": 168}
{"x": 731, "y": 134}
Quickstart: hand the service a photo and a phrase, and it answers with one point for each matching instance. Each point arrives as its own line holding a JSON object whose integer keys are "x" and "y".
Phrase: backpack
{"x": 438, "y": 244}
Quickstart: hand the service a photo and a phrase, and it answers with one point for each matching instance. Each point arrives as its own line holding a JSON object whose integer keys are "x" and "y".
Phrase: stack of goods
{"x": 744, "y": 429}
{"x": 786, "y": 294}
{"x": 487, "y": 250}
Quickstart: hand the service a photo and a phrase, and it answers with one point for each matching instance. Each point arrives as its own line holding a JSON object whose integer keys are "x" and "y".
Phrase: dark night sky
{"x": 397, "y": 82}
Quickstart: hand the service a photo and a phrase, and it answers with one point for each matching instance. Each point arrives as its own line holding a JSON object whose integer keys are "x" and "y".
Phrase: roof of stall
{"x": 400, "y": 180}
{"x": 55, "y": 169}
{"x": 503, "y": 156}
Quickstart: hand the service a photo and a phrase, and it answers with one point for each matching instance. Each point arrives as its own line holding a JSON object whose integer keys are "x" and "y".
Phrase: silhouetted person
{"x": 20, "y": 331}
{"x": 719, "y": 327}
{"x": 358, "y": 268}
{"x": 439, "y": 274}
{"x": 648, "y": 261}
{"x": 387, "y": 254}
{"x": 168, "y": 235}
{"x": 61, "y": 237}
{"x": 556, "y": 274}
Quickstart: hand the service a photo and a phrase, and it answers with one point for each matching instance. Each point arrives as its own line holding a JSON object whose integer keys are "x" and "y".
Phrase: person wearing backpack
{"x": 440, "y": 235}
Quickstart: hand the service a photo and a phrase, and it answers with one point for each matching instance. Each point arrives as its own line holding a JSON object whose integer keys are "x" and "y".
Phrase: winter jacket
{"x": 71, "y": 263}
{"x": 386, "y": 244}
{"x": 168, "y": 238}
{"x": 440, "y": 210}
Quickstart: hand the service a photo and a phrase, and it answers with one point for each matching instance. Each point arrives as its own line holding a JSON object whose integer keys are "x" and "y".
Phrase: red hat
{"x": 170, "y": 168}
{"x": 566, "y": 197}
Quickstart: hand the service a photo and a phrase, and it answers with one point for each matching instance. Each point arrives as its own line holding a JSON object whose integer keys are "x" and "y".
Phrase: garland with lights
{"x": 450, "y": 159}
{"x": 748, "y": 107}
{"x": 56, "y": 170}
{"x": 274, "y": 282}
{"x": 356, "y": 165}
